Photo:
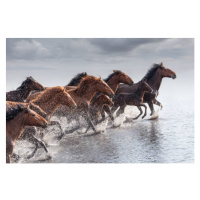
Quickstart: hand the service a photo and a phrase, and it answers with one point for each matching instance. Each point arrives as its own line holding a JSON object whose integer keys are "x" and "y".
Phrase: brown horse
{"x": 17, "y": 117}
{"x": 97, "y": 106}
{"x": 22, "y": 92}
{"x": 154, "y": 78}
{"x": 132, "y": 99}
{"x": 113, "y": 80}
{"x": 49, "y": 100}
{"x": 82, "y": 95}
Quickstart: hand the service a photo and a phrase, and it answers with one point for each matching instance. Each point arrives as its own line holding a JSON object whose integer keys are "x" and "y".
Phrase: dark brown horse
{"x": 82, "y": 95}
{"x": 17, "y": 117}
{"x": 49, "y": 100}
{"x": 132, "y": 99}
{"x": 22, "y": 92}
{"x": 97, "y": 106}
{"x": 154, "y": 78}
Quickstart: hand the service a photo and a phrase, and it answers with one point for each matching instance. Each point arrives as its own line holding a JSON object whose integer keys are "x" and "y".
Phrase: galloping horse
{"x": 22, "y": 92}
{"x": 49, "y": 100}
{"x": 132, "y": 99}
{"x": 154, "y": 78}
{"x": 17, "y": 117}
{"x": 82, "y": 95}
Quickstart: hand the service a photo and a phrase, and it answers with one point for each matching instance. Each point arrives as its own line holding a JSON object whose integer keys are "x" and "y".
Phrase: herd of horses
{"x": 31, "y": 105}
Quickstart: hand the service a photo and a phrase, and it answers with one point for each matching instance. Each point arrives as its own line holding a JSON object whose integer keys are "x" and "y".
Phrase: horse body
{"x": 135, "y": 98}
{"x": 154, "y": 79}
{"x": 22, "y": 92}
{"x": 17, "y": 117}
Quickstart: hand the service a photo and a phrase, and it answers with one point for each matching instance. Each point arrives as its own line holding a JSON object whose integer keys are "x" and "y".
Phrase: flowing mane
{"x": 12, "y": 111}
{"x": 24, "y": 83}
{"x": 48, "y": 94}
{"x": 111, "y": 75}
{"x": 151, "y": 72}
{"x": 76, "y": 80}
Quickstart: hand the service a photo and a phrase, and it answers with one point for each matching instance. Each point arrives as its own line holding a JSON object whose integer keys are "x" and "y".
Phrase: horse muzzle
{"x": 174, "y": 76}
{"x": 45, "y": 125}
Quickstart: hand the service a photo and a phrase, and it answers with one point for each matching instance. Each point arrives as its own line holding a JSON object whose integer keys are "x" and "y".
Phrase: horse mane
{"x": 12, "y": 111}
{"x": 151, "y": 72}
{"x": 111, "y": 75}
{"x": 24, "y": 83}
{"x": 76, "y": 80}
{"x": 48, "y": 94}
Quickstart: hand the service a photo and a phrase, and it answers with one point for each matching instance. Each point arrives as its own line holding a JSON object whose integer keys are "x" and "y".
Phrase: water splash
{"x": 101, "y": 127}
{"x": 118, "y": 121}
{"x": 155, "y": 115}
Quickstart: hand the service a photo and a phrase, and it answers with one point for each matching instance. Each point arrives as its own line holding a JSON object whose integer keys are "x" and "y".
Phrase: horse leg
{"x": 75, "y": 128}
{"x": 103, "y": 113}
{"x": 90, "y": 123}
{"x": 108, "y": 111}
{"x": 156, "y": 102}
{"x": 121, "y": 110}
{"x": 140, "y": 109}
{"x": 114, "y": 108}
{"x": 9, "y": 149}
{"x": 32, "y": 139}
{"x": 150, "y": 103}
{"x": 145, "y": 107}
{"x": 59, "y": 125}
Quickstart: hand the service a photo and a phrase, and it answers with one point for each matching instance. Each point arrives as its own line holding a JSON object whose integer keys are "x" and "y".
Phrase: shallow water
{"x": 167, "y": 139}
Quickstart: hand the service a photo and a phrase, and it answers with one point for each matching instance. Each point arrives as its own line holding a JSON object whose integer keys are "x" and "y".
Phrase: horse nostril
{"x": 174, "y": 76}
{"x": 131, "y": 83}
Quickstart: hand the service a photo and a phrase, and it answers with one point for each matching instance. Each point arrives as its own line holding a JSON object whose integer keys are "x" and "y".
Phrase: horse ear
{"x": 114, "y": 71}
{"x": 161, "y": 64}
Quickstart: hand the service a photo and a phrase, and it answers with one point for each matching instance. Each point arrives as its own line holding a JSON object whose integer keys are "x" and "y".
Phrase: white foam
{"x": 155, "y": 115}
{"x": 118, "y": 121}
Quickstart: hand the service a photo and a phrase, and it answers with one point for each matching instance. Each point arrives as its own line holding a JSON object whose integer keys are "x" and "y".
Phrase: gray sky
{"x": 55, "y": 61}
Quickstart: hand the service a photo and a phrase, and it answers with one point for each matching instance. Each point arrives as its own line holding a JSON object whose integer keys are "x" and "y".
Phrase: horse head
{"x": 123, "y": 77}
{"x": 165, "y": 72}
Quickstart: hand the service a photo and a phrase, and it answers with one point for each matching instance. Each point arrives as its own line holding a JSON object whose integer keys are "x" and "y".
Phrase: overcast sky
{"x": 55, "y": 61}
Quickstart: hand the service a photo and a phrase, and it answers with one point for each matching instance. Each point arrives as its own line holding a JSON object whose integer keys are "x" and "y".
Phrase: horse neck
{"x": 155, "y": 81}
{"x": 24, "y": 92}
{"x": 49, "y": 106}
{"x": 113, "y": 83}
{"x": 15, "y": 127}
{"x": 140, "y": 92}
{"x": 87, "y": 94}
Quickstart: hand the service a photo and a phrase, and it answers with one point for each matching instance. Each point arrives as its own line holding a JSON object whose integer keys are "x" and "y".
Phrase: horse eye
{"x": 33, "y": 115}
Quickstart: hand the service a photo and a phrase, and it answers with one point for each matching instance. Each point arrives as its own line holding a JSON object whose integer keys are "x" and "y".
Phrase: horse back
{"x": 124, "y": 88}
